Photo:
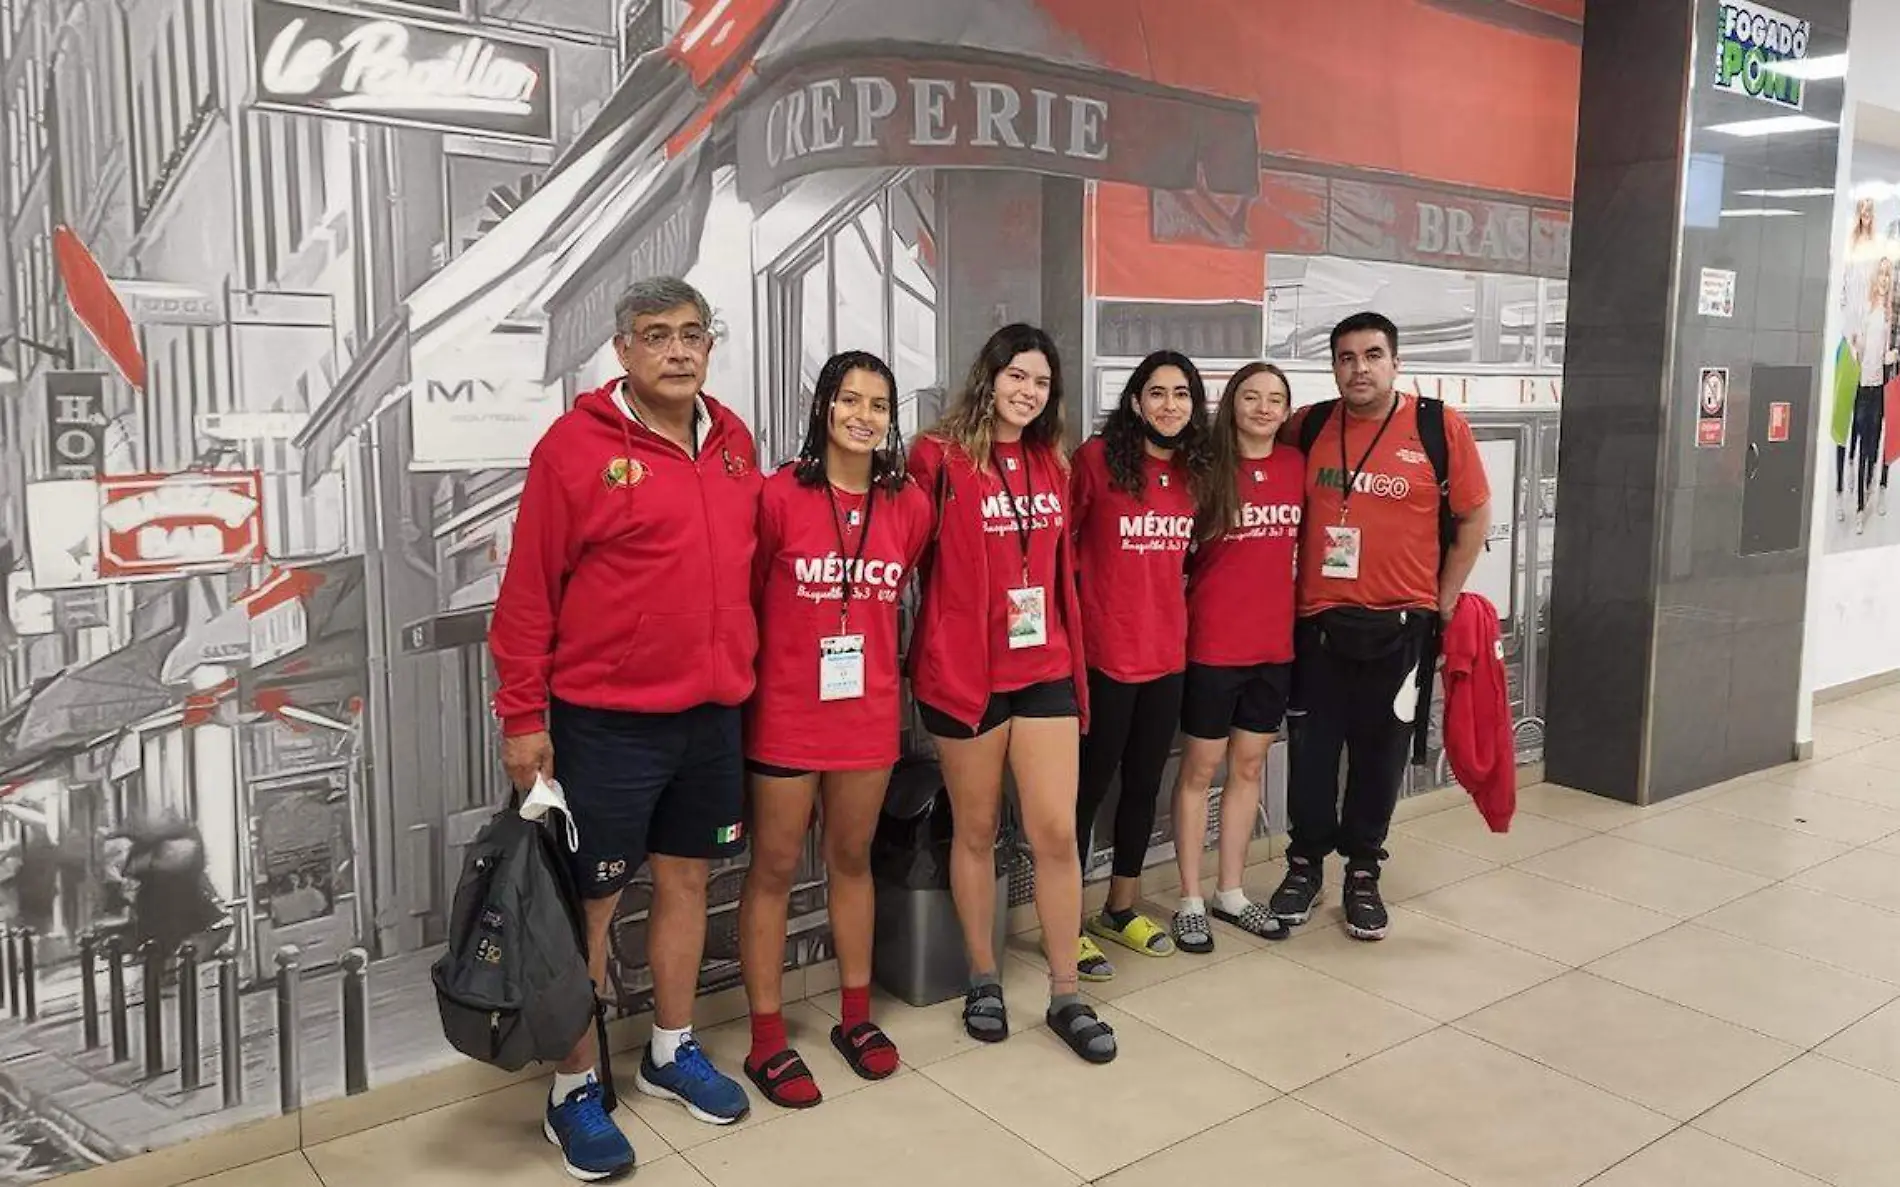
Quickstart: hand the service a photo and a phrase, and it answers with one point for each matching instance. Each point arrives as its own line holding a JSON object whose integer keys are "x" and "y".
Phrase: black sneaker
{"x": 1365, "y": 910}
{"x": 1299, "y": 890}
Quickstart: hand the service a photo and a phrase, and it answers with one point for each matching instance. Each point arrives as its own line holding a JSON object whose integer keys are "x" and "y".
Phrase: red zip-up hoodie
{"x": 1478, "y": 742}
{"x": 949, "y": 661}
{"x": 630, "y": 583}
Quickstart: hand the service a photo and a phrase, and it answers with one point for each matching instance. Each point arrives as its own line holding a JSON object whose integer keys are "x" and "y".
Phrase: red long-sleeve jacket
{"x": 949, "y": 660}
{"x": 629, "y": 586}
{"x": 1478, "y": 741}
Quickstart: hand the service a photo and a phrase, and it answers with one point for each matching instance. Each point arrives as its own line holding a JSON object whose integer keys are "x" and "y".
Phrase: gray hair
{"x": 654, "y": 295}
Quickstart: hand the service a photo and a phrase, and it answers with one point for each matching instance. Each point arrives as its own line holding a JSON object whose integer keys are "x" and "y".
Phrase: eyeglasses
{"x": 658, "y": 338}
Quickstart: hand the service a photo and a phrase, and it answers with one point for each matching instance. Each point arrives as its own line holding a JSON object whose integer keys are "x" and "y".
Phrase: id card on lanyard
{"x": 1339, "y": 559}
{"x": 1028, "y": 622}
{"x": 841, "y": 656}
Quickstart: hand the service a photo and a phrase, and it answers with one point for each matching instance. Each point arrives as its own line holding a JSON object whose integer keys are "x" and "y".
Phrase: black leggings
{"x": 1131, "y": 729}
{"x": 1870, "y": 414}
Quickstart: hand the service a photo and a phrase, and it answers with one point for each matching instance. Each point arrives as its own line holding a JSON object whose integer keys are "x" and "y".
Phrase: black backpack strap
{"x": 1315, "y": 421}
{"x": 1431, "y": 437}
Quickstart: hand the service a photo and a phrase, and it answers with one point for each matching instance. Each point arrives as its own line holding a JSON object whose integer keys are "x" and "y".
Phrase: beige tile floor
{"x": 1704, "y": 994}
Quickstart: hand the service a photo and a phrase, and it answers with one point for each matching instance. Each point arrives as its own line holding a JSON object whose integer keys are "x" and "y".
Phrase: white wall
{"x": 1853, "y": 628}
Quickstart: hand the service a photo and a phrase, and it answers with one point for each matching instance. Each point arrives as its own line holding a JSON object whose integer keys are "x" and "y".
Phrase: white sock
{"x": 565, "y": 1084}
{"x": 665, "y": 1044}
{"x": 1231, "y": 901}
{"x": 1192, "y": 906}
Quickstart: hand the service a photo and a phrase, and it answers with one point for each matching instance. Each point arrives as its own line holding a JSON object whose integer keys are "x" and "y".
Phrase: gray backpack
{"x": 513, "y": 985}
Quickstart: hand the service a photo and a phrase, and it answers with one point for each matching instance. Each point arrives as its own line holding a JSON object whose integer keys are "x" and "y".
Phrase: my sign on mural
{"x": 1750, "y": 40}
{"x": 390, "y": 69}
{"x": 76, "y": 422}
{"x": 882, "y": 112}
{"x": 478, "y": 409}
{"x": 164, "y": 525}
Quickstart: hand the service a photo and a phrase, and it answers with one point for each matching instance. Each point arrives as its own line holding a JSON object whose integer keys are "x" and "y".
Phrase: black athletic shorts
{"x": 640, "y": 783}
{"x": 1053, "y": 699}
{"x": 1215, "y": 701}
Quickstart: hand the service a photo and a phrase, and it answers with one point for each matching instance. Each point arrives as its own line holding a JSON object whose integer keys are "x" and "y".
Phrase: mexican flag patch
{"x": 728, "y": 834}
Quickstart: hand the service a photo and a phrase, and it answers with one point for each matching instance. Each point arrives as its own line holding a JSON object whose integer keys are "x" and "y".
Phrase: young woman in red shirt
{"x": 1132, "y": 505}
{"x": 839, "y": 531}
{"x": 997, "y": 663}
{"x": 1239, "y": 646}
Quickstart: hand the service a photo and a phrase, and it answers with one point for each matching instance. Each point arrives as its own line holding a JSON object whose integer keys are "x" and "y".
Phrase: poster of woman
{"x": 1864, "y": 410}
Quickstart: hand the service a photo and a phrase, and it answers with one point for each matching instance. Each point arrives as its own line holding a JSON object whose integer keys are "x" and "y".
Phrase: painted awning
{"x": 985, "y": 84}
{"x": 102, "y": 697}
{"x": 880, "y": 84}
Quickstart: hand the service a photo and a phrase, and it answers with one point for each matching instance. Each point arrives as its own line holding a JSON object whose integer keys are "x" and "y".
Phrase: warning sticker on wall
{"x": 1711, "y": 408}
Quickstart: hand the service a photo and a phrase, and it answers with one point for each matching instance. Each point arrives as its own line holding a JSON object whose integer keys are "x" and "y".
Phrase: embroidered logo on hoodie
{"x": 624, "y": 472}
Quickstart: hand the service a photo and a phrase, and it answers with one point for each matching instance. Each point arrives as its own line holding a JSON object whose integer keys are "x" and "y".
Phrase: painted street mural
{"x": 289, "y": 290}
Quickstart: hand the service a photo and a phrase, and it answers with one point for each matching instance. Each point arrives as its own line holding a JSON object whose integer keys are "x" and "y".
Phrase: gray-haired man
{"x": 624, "y": 641}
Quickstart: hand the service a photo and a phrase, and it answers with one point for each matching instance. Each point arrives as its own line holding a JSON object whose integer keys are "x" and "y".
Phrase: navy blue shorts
{"x": 641, "y": 783}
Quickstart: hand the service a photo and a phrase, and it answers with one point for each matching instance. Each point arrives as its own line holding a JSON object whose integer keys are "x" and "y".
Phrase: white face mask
{"x": 548, "y": 796}
{"x": 1405, "y": 703}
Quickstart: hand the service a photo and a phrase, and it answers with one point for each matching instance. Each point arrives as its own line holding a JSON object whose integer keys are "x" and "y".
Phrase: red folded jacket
{"x": 1478, "y": 740}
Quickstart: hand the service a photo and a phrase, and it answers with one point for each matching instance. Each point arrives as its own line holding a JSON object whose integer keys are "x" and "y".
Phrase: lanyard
{"x": 851, "y": 564}
{"x": 1015, "y": 509}
{"x": 1351, "y": 477}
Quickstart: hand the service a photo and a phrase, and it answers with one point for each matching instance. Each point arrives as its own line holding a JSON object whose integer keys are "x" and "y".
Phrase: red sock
{"x": 768, "y": 1039}
{"x": 855, "y": 1006}
{"x": 855, "y": 1009}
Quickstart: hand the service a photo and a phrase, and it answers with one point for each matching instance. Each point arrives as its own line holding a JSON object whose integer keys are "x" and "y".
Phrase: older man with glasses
{"x": 624, "y": 641}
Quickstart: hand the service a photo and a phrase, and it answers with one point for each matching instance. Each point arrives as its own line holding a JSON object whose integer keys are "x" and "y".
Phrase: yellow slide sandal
{"x": 1142, "y": 934}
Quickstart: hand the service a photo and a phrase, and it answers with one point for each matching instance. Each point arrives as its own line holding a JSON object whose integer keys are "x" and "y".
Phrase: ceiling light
{"x": 1825, "y": 66}
{"x": 1760, "y": 212}
{"x": 1813, "y": 191}
{"x": 1774, "y": 125}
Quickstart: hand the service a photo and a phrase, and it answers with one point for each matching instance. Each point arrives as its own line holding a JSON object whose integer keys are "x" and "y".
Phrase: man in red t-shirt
{"x": 1374, "y": 586}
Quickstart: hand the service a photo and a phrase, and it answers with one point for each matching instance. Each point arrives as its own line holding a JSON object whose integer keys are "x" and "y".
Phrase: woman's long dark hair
{"x": 1222, "y": 505}
{"x": 967, "y": 422}
{"x": 1124, "y": 433}
{"x": 887, "y": 464}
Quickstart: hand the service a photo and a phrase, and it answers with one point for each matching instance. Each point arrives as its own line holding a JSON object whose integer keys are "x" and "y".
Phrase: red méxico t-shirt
{"x": 1025, "y": 497}
{"x": 799, "y": 589}
{"x": 1130, "y": 557}
{"x": 1394, "y": 506}
{"x": 1241, "y": 583}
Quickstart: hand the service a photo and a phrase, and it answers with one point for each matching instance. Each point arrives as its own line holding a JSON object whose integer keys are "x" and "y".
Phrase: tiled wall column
{"x": 1681, "y": 545}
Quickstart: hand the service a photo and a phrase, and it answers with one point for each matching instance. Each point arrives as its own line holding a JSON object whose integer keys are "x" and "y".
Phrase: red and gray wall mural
{"x": 289, "y": 288}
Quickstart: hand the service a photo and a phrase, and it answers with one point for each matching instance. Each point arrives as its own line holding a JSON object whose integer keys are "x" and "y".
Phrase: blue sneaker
{"x": 591, "y": 1145}
{"x": 693, "y": 1081}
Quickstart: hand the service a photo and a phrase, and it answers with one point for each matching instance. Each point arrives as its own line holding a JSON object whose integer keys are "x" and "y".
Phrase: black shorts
{"x": 1056, "y": 698}
{"x": 640, "y": 783}
{"x": 771, "y": 771}
{"x": 1216, "y": 701}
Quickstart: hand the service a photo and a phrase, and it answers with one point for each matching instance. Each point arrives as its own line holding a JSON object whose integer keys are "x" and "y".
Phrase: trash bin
{"x": 918, "y": 954}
